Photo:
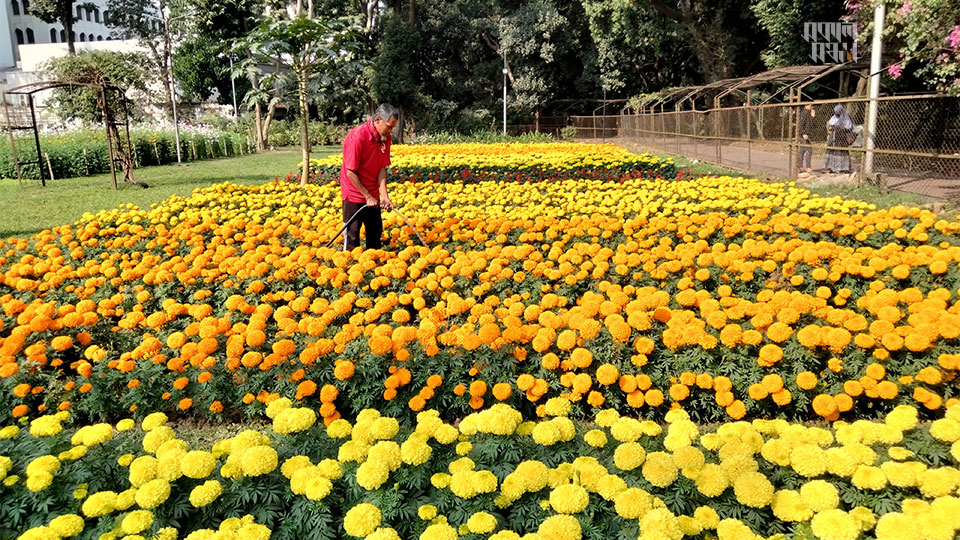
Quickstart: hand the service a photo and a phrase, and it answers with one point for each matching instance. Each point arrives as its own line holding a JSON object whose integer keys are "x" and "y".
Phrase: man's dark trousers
{"x": 371, "y": 220}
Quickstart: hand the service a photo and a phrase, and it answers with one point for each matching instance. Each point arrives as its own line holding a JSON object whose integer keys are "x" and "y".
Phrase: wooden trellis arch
{"x": 20, "y": 117}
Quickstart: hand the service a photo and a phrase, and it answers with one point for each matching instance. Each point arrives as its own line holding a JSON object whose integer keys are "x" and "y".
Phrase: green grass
{"x": 30, "y": 209}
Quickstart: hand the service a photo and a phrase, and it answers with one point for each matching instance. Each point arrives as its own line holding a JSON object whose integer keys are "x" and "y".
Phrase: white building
{"x": 19, "y": 27}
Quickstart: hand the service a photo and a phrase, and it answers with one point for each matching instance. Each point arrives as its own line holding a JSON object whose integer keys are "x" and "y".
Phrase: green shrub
{"x": 568, "y": 133}
{"x": 84, "y": 153}
{"x": 486, "y": 137}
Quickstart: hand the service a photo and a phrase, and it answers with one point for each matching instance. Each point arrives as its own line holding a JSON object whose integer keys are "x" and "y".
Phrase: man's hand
{"x": 806, "y": 137}
{"x": 386, "y": 204}
{"x": 371, "y": 200}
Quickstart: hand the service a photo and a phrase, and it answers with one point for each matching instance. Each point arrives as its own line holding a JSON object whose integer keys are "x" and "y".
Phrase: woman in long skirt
{"x": 839, "y": 137}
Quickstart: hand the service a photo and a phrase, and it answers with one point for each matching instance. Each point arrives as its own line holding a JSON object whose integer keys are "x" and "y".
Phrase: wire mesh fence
{"x": 916, "y": 145}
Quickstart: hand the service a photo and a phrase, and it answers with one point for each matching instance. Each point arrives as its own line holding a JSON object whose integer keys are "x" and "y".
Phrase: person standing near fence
{"x": 839, "y": 137}
{"x": 804, "y": 132}
{"x": 363, "y": 177}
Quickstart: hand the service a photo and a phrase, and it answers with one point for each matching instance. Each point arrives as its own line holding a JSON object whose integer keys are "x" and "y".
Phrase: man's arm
{"x": 355, "y": 180}
{"x": 385, "y": 201}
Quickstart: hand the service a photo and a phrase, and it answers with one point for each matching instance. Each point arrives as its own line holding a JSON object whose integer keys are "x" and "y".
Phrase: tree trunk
{"x": 68, "y": 30}
{"x": 398, "y": 130}
{"x": 536, "y": 120}
{"x": 266, "y": 124}
{"x": 304, "y": 128}
{"x": 413, "y": 14}
{"x": 261, "y": 144}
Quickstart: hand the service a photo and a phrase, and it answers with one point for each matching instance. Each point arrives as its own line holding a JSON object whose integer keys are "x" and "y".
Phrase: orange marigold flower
{"x": 478, "y": 388}
{"x": 607, "y": 374}
{"x": 459, "y": 389}
{"x": 757, "y": 391}
{"x": 824, "y": 405}
{"x": 502, "y": 391}
{"x": 654, "y": 397}
{"x": 887, "y": 390}
{"x": 806, "y": 380}
{"x": 61, "y": 343}
{"x": 581, "y": 358}
{"x": 679, "y": 392}
{"x": 736, "y": 410}
{"x": 343, "y": 370}
{"x": 184, "y": 404}
{"x": 876, "y": 371}
{"x": 772, "y": 383}
{"x": 595, "y": 398}
{"x": 306, "y": 388}
{"x": 550, "y": 361}
{"x": 434, "y": 381}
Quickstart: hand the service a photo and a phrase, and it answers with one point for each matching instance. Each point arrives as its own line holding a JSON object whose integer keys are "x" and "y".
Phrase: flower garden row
{"x": 727, "y": 296}
{"x": 493, "y": 476}
{"x": 658, "y": 337}
{"x": 523, "y": 162}
{"x": 84, "y": 153}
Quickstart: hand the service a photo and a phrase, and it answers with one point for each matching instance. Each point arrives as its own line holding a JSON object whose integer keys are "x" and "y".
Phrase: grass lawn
{"x": 32, "y": 208}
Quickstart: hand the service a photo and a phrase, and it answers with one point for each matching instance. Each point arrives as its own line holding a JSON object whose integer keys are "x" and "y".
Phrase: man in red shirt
{"x": 363, "y": 177}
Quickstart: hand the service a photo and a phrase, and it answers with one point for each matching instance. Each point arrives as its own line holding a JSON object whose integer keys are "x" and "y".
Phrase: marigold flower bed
{"x": 675, "y": 346}
{"x": 729, "y": 297}
{"x": 492, "y": 476}
{"x": 523, "y": 162}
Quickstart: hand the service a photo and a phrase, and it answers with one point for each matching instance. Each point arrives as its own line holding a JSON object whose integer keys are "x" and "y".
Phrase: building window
{"x": 26, "y": 7}
{"x": 79, "y": 12}
{"x": 96, "y": 15}
{"x": 99, "y": 38}
{"x": 89, "y": 14}
{"x": 16, "y": 7}
{"x": 108, "y": 38}
{"x": 30, "y": 38}
{"x": 83, "y": 37}
{"x": 19, "y": 36}
{"x": 53, "y": 35}
{"x": 106, "y": 17}
{"x": 63, "y": 36}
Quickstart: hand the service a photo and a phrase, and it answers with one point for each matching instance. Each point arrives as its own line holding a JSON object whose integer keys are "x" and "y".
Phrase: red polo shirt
{"x": 365, "y": 153}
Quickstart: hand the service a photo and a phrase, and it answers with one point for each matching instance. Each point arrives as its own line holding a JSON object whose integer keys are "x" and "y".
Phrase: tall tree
{"x": 393, "y": 79}
{"x": 60, "y": 11}
{"x": 783, "y": 21}
{"x": 156, "y": 24}
{"x": 304, "y": 48}
{"x": 224, "y": 21}
{"x": 724, "y": 34}
{"x": 532, "y": 37}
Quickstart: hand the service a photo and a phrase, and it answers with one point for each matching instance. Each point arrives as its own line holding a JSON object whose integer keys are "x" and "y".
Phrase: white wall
{"x": 24, "y": 22}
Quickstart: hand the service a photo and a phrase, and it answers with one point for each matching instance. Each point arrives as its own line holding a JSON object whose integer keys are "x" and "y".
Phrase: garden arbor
{"x": 20, "y": 116}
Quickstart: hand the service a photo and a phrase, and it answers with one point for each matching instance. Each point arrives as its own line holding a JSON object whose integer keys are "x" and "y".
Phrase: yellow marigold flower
{"x": 99, "y": 504}
{"x": 629, "y": 456}
{"x": 136, "y": 521}
{"x": 660, "y": 523}
{"x": 439, "y": 531}
{"x": 258, "y": 460}
{"x": 67, "y": 525}
{"x": 153, "y": 494}
{"x": 569, "y": 499}
{"x": 819, "y": 495}
{"x": 205, "y": 493}
{"x": 559, "y": 527}
{"x": 153, "y": 420}
{"x": 361, "y": 520}
{"x": 481, "y": 523}
{"x": 633, "y": 503}
{"x": 659, "y": 469}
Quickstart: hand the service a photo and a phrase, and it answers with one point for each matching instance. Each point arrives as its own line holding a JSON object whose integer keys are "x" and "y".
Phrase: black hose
{"x": 345, "y": 225}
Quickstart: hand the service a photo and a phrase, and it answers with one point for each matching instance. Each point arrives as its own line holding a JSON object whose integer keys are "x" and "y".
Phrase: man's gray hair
{"x": 385, "y": 112}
